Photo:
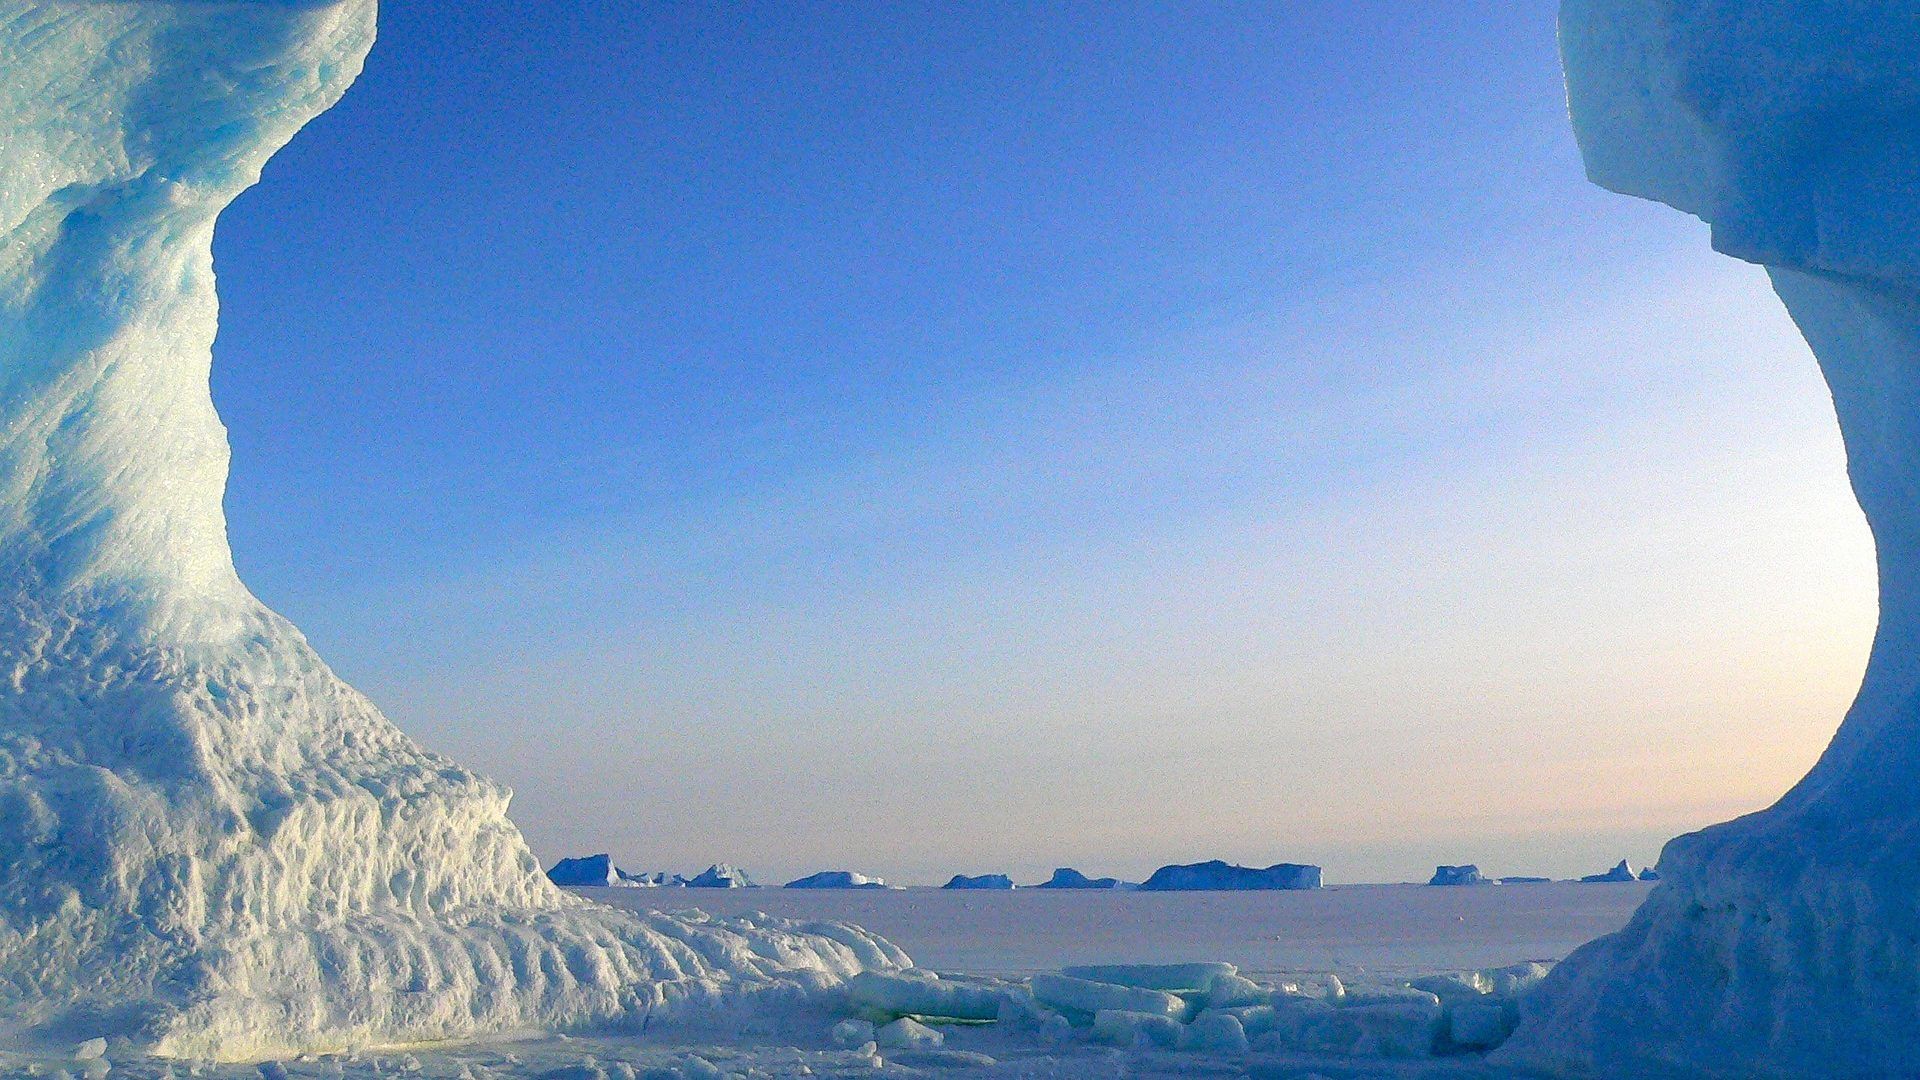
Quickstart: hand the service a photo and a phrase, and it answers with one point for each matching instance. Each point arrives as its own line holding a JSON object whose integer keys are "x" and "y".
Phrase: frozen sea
{"x": 1361, "y": 932}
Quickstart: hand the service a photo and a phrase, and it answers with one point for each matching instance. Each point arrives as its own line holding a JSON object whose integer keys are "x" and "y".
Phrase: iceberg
{"x": 836, "y": 879}
{"x": 1459, "y": 875}
{"x": 1622, "y": 871}
{"x": 722, "y": 876}
{"x": 650, "y": 879}
{"x": 587, "y": 870}
{"x": 1786, "y": 942}
{"x": 1066, "y": 877}
{"x": 983, "y": 881}
{"x": 215, "y": 848}
{"x": 1221, "y": 876}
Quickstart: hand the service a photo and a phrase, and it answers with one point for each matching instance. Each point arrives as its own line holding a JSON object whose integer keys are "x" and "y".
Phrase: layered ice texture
{"x": 1786, "y": 943}
{"x": 212, "y": 845}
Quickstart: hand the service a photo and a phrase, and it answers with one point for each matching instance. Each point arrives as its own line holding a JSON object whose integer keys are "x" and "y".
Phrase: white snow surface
{"x": 1786, "y": 943}
{"x": 214, "y": 847}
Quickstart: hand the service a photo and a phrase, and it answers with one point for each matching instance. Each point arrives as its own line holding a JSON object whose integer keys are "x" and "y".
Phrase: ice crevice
{"x": 215, "y": 847}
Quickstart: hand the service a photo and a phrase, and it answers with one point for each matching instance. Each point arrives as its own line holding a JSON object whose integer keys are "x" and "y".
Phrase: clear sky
{"x": 918, "y": 441}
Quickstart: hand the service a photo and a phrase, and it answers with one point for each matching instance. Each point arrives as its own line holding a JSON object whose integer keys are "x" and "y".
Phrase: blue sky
{"x": 918, "y": 442}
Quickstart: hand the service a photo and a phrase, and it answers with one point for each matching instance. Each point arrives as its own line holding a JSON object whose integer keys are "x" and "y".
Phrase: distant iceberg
{"x": 836, "y": 879}
{"x": 722, "y": 876}
{"x": 600, "y": 870}
{"x": 1216, "y": 875}
{"x": 655, "y": 879}
{"x": 1066, "y": 877}
{"x": 983, "y": 881}
{"x": 1622, "y": 871}
{"x": 586, "y": 870}
{"x": 1468, "y": 874}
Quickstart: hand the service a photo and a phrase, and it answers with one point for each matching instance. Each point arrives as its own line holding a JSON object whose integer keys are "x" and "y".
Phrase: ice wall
{"x": 1786, "y": 943}
{"x": 208, "y": 842}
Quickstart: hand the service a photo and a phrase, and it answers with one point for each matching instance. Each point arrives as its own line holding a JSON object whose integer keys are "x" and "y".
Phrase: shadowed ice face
{"x": 1801, "y": 149}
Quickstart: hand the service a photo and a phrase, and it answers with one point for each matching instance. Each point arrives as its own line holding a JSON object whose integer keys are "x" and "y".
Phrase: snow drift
{"x": 1786, "y": 943}
{"x": 213, "y": 846}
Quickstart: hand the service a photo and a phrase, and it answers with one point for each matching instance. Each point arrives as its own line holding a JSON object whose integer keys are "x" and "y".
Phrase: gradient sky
{"x": 918, "y": 441}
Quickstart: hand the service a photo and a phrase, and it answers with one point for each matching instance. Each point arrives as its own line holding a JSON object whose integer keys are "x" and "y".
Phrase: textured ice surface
{"x": 1786, "y": 943}
{"x": 213, "y": 845}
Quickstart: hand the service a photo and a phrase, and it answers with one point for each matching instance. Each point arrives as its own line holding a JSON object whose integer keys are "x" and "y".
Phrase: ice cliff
{"x": 212, "y": 845}
{"x": 1786, "y": 943}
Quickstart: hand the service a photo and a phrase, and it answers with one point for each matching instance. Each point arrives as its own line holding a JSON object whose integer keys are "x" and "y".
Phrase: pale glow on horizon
{"x": 1572, "y": 580}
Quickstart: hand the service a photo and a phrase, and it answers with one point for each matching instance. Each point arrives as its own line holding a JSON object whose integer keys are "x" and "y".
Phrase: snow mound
{"x": 213, "y": 846}
{"x": 1787, "y": 942}
{"x": 1216, "y": 875}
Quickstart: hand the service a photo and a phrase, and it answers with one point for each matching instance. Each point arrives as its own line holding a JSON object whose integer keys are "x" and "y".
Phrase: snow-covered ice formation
{"x": 979, "y": 881}
{"x": 836, "y": 879}
{"x": 1785, "y": 943}
{"x": 924, "y": 994}
{"x": 1467, "y": 874}
{"x": 1621, "y": 871}
{"x": 213, "y": 846}
{"x": 721, "y": 876}
{"x": 650, "y": 879}
{"x": 1217, "y": 875}
{"x": 587, "y": 870}
{"x": 1066, "y": 877}
{"x": 1210, "y": 1008}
